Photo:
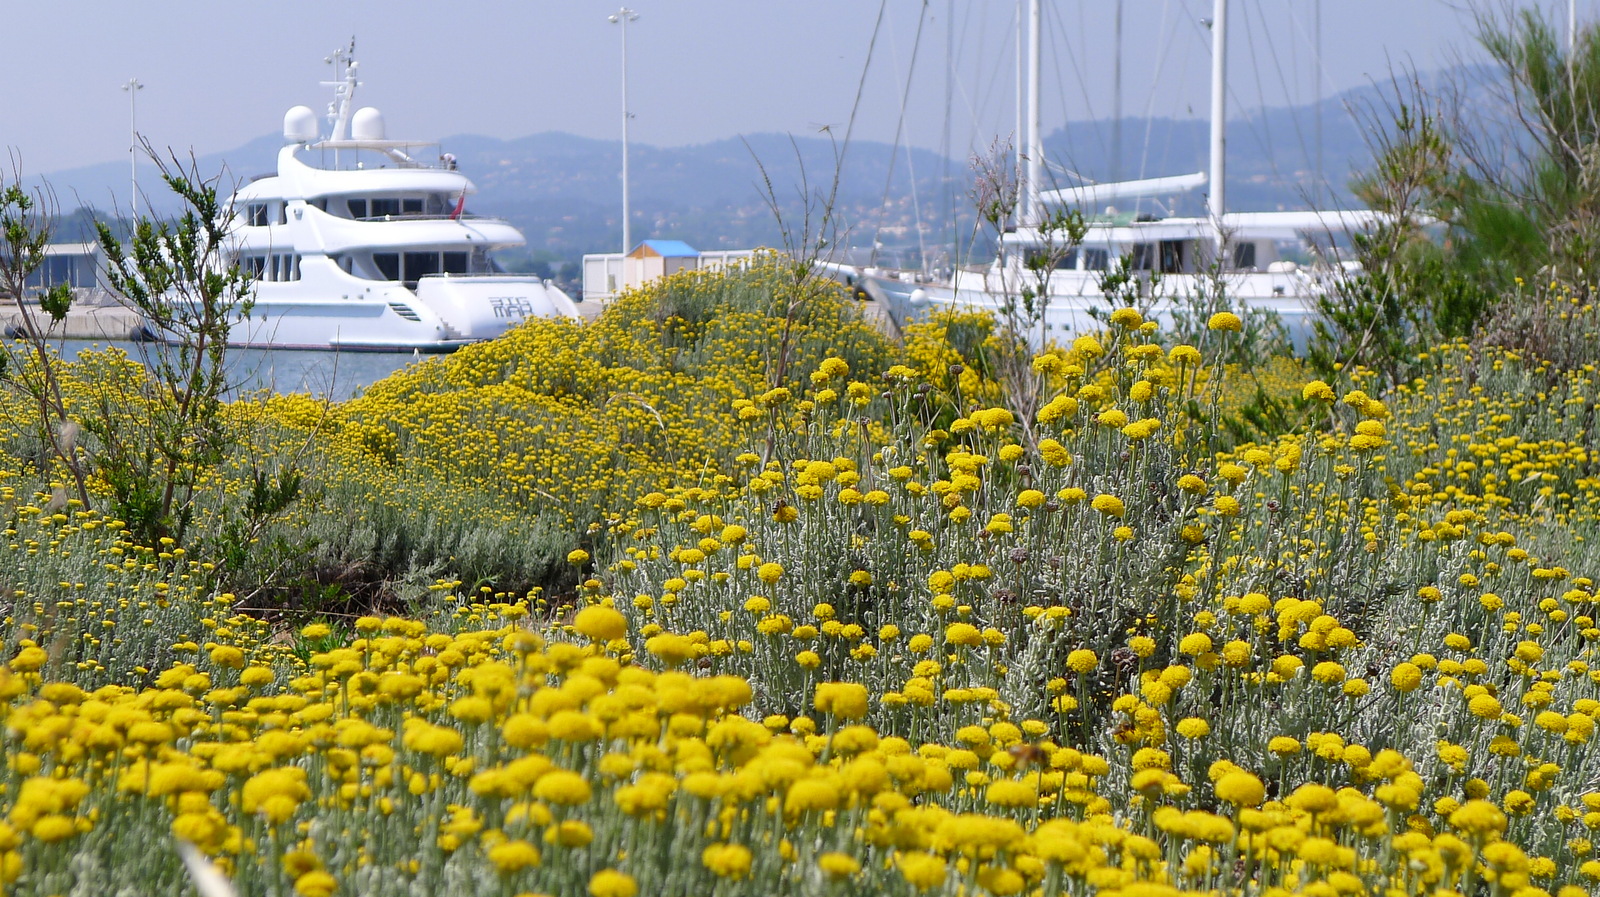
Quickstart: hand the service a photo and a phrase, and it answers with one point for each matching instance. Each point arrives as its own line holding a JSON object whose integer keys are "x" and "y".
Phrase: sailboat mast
{"x": 1022, "y": 102}
{"x": 1035, "y": 177}
{"x": 1116, "y": 100}
{"x": 1216, "y": 199}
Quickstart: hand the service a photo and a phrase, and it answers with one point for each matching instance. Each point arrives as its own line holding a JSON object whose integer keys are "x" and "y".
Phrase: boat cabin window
{"x": 1095, "y": 258}
{"x": 1166, "y": 257}
{"x": 261, "y": 214}
{"x": 420, "y": 265}
{"x": 1039, "y": 257}
{"x": 410, "y": 267}
{"x": 388, "y": 264}
{"x": 1244, "y": 256}
{"x": 275, "y": 268}
{"x": 367, "y": 207}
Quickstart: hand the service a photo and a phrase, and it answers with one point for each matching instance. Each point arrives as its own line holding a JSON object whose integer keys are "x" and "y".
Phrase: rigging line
{"x": 1277, "y": 64}
{"x": 1170, "y": 29}
{"x": 861, "y": 85}
{"x": 1322, "y": 76}
{"x": 1256, "y": 123}
{"x": 1058, "y": 32}
{"x": 899, "y": 131}
{"x": 985, "y": 93}
{"x": 945, "y": 188}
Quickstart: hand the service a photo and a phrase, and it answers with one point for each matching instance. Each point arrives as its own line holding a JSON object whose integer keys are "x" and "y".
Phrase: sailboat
{"x": 1168, "y": 259}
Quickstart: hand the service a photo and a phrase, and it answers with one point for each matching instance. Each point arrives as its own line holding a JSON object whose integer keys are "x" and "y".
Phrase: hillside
{"x": 564, "y": 191}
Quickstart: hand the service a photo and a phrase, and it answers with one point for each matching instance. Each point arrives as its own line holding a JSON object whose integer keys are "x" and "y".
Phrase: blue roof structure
{"x": 668, "y": 249}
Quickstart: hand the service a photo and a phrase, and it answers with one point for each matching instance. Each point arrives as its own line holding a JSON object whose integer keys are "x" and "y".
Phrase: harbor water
{"x": 330, "y": 374}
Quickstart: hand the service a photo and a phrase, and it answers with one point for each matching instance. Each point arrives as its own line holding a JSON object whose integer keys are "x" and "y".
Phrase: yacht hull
{"x": 443, "y": 313}
{"x": 1080, "y": 307}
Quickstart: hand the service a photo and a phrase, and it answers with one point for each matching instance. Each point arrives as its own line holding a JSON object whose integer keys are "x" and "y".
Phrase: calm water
{"x": 337, "y": 375}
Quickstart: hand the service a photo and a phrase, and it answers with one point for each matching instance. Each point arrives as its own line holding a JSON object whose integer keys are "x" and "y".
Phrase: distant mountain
{"x": 565, "y": 193}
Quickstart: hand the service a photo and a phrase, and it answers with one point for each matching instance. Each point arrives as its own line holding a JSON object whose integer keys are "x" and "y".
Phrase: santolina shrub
{"x": 893, "y": 636}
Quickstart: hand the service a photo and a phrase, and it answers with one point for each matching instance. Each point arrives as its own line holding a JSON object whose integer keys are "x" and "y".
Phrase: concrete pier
{"x": 105, "y": 320}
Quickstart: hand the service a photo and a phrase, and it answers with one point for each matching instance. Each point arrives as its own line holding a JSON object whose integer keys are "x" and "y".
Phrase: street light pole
{"x": 133, "y": 87}
{"x": 622, "y": 17}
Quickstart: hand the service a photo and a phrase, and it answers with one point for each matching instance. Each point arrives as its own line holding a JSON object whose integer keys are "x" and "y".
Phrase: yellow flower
{"x": 964, "y": 634}
{"x": 601, "y": 623}
{"x": 727, "y": 860}
{"x": 1127, "y": 318}
{"x": 1225, "y": 320}
{"x": 1318, "y": 391}
{"x": 513, "y": 856}
{"x": 838, "y": 865}
{"x": 611, "y": 883}
{"x": 1109, "y": 505}
{"x": 1241, "y": 789}
{"x": 53, "y": 828}
{"x": 1406, "y": 676}
{"x": 315, "y": 884}
{"x": 562, "y": 787}
{"x": 923, "y": 871}
{"x": 845, "y": 700}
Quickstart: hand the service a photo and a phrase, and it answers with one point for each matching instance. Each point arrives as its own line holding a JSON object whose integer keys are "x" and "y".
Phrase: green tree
{"x": 178, "y": 276}
{"x": 29, "y": 365}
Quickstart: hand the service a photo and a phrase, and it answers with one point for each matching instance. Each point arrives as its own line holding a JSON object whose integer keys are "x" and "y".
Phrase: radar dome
{"x": 366, "y": 124}
{"x": 299, "y": 125}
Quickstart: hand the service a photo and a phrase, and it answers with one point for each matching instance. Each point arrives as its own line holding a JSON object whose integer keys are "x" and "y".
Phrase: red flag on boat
{"x": 461, "y": 205}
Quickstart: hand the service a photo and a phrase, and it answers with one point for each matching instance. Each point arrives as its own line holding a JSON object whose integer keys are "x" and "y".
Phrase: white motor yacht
{"x": 362, "y": 242}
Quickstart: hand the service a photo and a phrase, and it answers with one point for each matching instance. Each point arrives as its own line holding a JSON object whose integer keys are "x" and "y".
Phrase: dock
{"x": 106, "y": 319}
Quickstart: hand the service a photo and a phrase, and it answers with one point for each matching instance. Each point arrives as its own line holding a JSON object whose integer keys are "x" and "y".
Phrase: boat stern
{"x": 478, "y": 307}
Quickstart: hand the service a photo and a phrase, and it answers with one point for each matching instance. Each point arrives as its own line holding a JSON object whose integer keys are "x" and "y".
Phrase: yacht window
{"x": 484, "y": 263}
{"x": 1144, "y": 256}
{"x": 411, "y": 206}
{"x": 358, "y": 208}
{"x": 256, "y": 214}
{"x": 420, "y": 265}
{"x": 320, "y": 203}
{"x": 388, "y": 264}
{"x": 384, "y": 207}
{"x": 1171, "y": 256}
{"x": 1244, "y": 255}
{"x": 280, "y": 212}
{"x": 271, "y": 268}
{"x": 1067, "y": 262}
{"x": 455, "y": 262}
{"x": 1095, "y": 259}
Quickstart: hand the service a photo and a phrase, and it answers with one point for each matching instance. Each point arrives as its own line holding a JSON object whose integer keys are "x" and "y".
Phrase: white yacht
{"x": 362, "y": 242}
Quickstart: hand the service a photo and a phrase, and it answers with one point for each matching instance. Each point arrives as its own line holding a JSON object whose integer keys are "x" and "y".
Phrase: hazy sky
{"x": 219, "y": 74}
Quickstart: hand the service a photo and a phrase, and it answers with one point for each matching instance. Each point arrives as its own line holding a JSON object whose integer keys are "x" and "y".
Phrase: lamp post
{"x": 133, "y": 87}
{"x": 622, "y": 17}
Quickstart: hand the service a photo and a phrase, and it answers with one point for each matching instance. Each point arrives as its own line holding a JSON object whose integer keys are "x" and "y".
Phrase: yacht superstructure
{"x": 362, "y": 242}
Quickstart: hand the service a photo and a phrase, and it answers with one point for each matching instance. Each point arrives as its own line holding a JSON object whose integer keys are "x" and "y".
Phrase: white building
{"x": 605, "y": 274}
